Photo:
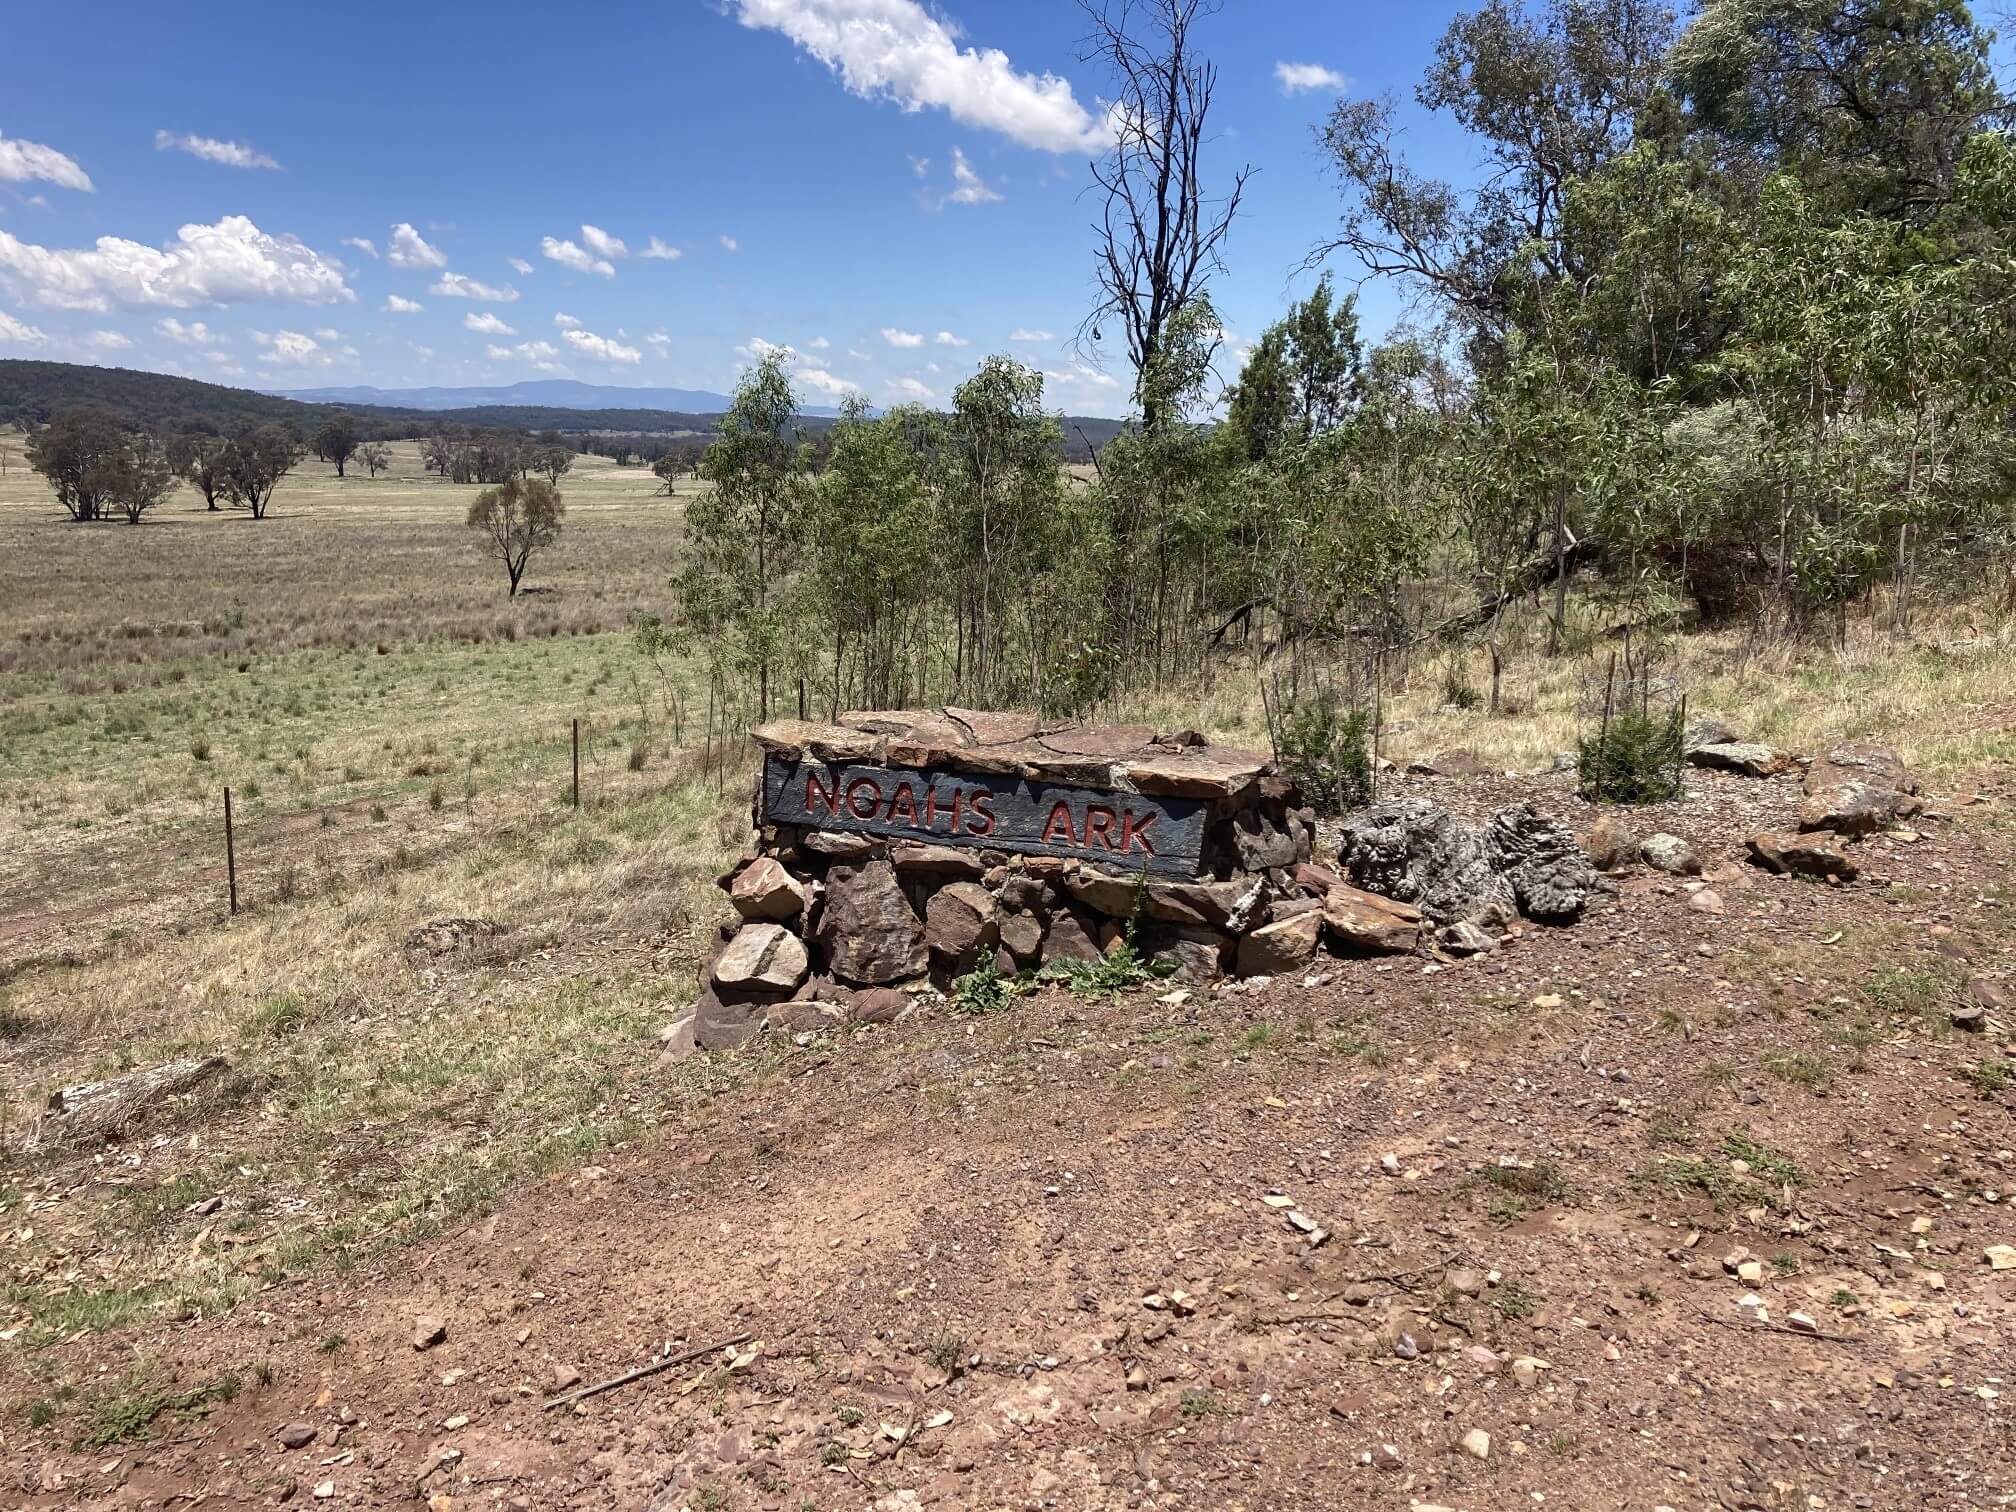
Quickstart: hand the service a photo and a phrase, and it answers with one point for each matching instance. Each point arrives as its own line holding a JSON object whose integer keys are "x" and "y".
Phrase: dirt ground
{"x": 1030, "y": 1259}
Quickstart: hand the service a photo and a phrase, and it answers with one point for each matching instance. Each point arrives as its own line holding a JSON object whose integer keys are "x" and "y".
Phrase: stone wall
{"x": 896, "y": 851}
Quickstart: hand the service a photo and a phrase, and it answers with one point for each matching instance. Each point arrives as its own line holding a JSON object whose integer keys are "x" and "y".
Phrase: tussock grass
{"x": 1940, "y": 698}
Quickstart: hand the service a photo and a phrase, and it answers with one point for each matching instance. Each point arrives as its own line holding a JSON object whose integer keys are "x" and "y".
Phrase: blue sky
{"x": 892, "y": 191}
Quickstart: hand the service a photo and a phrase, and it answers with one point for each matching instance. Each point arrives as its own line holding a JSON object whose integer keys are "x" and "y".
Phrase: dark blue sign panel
{"x": 1123, "y": 831}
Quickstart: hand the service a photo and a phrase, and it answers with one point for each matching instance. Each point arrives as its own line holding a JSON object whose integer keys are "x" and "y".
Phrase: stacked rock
{"x": 896, "y": 849}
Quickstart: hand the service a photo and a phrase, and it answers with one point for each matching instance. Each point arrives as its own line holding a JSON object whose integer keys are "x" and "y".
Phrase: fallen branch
{"x": 1782, "y": 1328}
{"x": 581, "y": 1392}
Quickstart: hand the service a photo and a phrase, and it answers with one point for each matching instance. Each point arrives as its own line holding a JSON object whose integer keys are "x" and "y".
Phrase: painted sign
{"x": 1124, "y": 831}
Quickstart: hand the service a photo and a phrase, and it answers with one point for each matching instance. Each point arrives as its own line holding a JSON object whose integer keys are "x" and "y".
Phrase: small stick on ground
{"x": 1781, "y": 1328}
{"x": 642, "y": 1371}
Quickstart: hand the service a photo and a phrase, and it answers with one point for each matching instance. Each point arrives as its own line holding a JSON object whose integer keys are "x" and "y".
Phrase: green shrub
{"x": 1326, "y": 747}
{"x": 1634, "y": 758}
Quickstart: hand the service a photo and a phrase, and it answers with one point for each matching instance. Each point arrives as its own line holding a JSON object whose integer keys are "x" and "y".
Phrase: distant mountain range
{"x": 543, "y": 393}
{"x": 32, "y": 393}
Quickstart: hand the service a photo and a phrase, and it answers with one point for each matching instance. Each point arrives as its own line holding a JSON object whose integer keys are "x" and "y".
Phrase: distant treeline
{"x": 34, "y": 393}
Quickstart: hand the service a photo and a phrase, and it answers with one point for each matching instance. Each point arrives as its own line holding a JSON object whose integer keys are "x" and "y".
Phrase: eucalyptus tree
{"x": 744, "y": 531}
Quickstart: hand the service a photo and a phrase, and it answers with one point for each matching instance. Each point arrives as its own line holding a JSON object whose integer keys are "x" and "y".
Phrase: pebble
{"x": 2000, "y": 1257}
{"x": 296, "y": 1435}
{"x": 428, "y": 1331}
{"x": 1707, "y": 901}
{"x": 1477, "y": 1444}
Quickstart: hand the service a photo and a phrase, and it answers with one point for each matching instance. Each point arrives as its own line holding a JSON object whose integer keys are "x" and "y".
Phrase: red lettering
{"x": 1098, "y": 821}
{"x": 1059, "y": 823}
{"x": 830, "y": 793}
{"x": 903, "y": 806}
{"x": 854, "y": 796}
{"x": 983, "y": 806}
{"x": 958, "y": 799}
{"x": 1132, "y": 834}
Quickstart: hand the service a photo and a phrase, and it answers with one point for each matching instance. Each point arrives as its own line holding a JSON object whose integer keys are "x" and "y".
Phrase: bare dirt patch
{"x": 1030, "y": 1257}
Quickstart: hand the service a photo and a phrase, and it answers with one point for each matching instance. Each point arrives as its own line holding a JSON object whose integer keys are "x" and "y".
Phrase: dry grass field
{"x": 395, "y": 733}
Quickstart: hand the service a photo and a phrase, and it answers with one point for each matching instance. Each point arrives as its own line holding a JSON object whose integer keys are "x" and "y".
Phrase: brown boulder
{"x": 879, "y": 1005}
{"x": 1259, "y": 843}
{"x": 959, "y": 923}
{"x": 1858, "y": 790}
{"x": 1196, "y": 957}
{"x": 871, "y": 934}
{"x": 1283, "y": 946}
{"x": 1314, "y": 879}
{"x": 765, "y": 890}
{"x": 1069, "y": 938}
{"x": 1021, "y": 936}
{"x": 1814, "y": 853}
{"x": 1610, "y": 844}
{"x": 761, "y": 959}
{"x": 1364, "y": 921}
{"x": 798, "y": 1015}
{"x": 723, "y": 1026}
{"x": 1023, "y": 893}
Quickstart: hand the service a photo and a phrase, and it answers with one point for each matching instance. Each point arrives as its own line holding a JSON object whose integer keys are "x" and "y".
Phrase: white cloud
{"x": 565, "y": 321}
{"x": 395, "y": 305}
{"x": 971, "y": 188}
{"x": 568, "y": 255}
{"x": 487, "y": 324}
{"x": 409, "y": 249}
{"x": 108, "y": 341}
{"x": 195, "y": 333}
{"x": 228, "y": 263}
{"x": 211, "y": 150}
{"x": 542, "y": 355}
{"x": 921, "y": 166}
{"x": 731, "y": 244}
{"x": 662, "y": 251}
{"x": 602, "y": 243}
{"x": 519, "y": 266}
{"x": 21, "y": 161}
{"x": 896, "y": 50}
{"x": 1299, "y": 78}
{"x": 1090, "y": 377}
{"x": 18, "y": 332}
{"x": 910, "y": 388}
{"x": 328, "y": 333}
{"x": 817, "y": 344}
{"x": 898, "y": 338}
{"x": 291, "y": 349}
{"x": 946, "y": 338}
{"x": 824, "y": 382}
{"x": 660, "y": 343}
{"x": 601, "y": 348}
{"x": 457, "y": 286}
{"x": 423, "y": 351}
{"x": 1023, "y": 333}
{"x": 363, "y": 244}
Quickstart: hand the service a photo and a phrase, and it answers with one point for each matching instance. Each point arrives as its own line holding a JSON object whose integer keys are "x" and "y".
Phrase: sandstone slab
{"x": 762, "y": 958}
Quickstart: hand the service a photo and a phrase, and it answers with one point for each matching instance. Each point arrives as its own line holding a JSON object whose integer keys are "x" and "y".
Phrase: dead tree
{"x": 1158, "y": 236}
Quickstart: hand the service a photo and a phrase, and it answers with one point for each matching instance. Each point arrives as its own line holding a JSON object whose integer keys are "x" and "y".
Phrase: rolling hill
{"x": 544, "y": 393}
{"x": 34, "y": 392}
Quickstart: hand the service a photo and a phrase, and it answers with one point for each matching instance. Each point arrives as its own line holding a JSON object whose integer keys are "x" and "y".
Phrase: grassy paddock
{"x": 395, "y": 733}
